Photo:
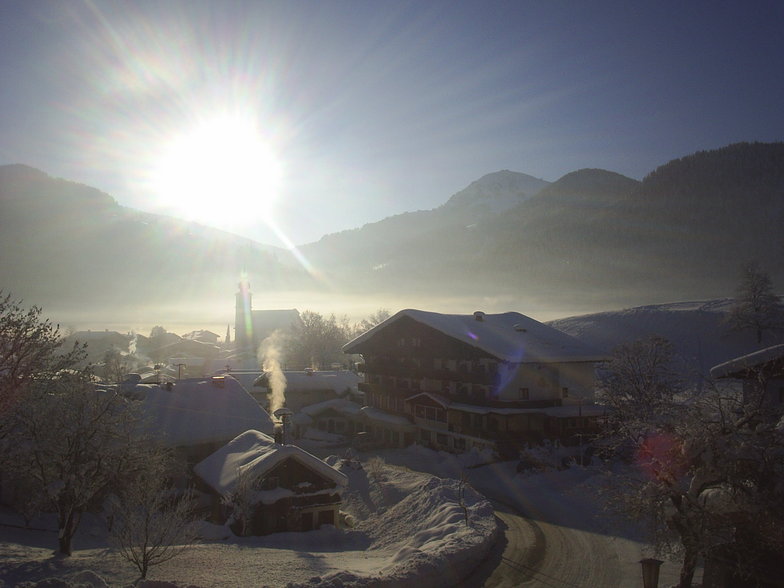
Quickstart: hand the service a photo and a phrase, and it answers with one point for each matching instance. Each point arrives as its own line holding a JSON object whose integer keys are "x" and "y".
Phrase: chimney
{"x": 479, "y": 316}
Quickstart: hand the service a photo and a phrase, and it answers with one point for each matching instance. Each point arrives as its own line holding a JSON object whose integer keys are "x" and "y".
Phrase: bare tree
{"x": 374, "y": 319}
{"x": 639, "y": 384}
{"x": 316, "y": 342}
{"x": 704, "y": 472}
{"x": 30, "y": 351}
{"x": 242, "y": 501}
{"x": 71, "y": 445}
{"x": 756, "y": 306}
{"x": 116, "y": 365}
{"x": 151, "y": 521}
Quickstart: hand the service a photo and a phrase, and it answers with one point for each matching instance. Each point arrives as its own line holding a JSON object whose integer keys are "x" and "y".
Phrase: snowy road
{"x": 537, "y": 547}
{"x": 538, "y": 553}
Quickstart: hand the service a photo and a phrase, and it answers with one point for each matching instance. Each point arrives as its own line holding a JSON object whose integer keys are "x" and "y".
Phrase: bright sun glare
{"x": 221, "y": 172}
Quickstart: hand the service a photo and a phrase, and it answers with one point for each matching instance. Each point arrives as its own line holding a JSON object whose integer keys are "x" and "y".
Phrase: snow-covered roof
{"x": 266, "y": 322}
{"x": 740, "y": 365}
{"x": 341, "y": 405}
{"x": 336, "y": 381}
{"x": 255, "y": 453}
{"x": 569, "y": 410}
{"x": 199, "y": 411}
{"x": 509, "y": 336}
{"x": 434, "y": 397}
{"x": 376, "y": 414}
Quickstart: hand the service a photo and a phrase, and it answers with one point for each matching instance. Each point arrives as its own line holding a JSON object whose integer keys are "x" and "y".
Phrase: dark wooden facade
{"x": 451, "y": 391}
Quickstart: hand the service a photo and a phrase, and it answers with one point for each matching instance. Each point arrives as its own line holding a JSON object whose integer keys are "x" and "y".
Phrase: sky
{"x": 285, "y": 121}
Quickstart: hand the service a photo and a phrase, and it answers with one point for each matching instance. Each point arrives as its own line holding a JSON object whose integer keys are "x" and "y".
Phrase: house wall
{"x": 579, "y": 378}
{"x": 535, "y": 381}
{"x": 293, "y": 514}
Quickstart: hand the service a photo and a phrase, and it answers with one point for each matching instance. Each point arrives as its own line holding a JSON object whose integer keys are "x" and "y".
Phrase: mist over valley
{"x": 592, "y": 240}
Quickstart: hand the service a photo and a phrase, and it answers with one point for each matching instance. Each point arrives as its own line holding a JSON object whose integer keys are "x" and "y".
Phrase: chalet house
{"x": 761, "y": 371}
{"x": 287, "y": 488}
{"x": 455, "y": 382}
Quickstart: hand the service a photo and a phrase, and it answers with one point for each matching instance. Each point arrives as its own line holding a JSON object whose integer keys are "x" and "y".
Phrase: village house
{"x": 454, "y": 382}
{"x": 284, "y": 487}
{"x": 194, "y": 417}
{"x": 761, "y": 371}
{"x": 761, "y": 378}
{"x": 338, "y": 416}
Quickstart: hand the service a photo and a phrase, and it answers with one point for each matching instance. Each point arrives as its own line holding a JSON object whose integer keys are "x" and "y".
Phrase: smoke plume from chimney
{"x": 269, "y": 358}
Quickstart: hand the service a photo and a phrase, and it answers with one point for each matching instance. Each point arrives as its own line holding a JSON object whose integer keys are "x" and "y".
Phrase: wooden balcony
{"x": 395, "y": 369}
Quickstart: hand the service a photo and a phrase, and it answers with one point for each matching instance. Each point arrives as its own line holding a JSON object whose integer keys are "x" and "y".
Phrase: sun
{"x": 222, "y": 172}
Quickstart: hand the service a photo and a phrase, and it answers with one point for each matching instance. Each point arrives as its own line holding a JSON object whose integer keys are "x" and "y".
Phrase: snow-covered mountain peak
{"x": 497, "y": 192}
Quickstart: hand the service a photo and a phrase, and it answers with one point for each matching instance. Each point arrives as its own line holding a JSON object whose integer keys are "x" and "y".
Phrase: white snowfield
{"x": 410, "y": 530}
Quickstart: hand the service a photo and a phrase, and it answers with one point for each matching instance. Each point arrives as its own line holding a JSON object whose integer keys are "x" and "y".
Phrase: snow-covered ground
{"x": 581, "y": 542}
{"x": 410, "y": 530}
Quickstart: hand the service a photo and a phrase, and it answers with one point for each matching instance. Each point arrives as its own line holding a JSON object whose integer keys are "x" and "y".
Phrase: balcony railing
{"x": 477, "y": 376}
{"x": 472, "y": 400}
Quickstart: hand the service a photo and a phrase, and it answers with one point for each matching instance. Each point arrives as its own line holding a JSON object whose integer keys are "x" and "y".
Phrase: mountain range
{"x": 591, "y": 240}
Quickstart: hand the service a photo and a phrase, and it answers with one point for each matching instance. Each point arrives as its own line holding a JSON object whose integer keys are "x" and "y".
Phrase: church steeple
{"x": 243, "y": 321}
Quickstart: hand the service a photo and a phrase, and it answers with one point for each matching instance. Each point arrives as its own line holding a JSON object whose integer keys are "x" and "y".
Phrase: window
{"x": 523, "y": 394}
{"x": 441, "y": 439}
{"x": 564, "y": 392}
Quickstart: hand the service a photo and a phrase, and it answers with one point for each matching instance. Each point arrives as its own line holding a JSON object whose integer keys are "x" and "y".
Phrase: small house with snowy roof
{"x": 264, "y": 487}
{"x": 759, "y": 372}
{"x": 339, "y": 416}
{"x": 480, "y": 380}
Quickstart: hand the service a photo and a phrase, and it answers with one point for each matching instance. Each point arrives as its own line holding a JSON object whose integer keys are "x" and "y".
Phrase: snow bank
{"x": 418, "y": 530}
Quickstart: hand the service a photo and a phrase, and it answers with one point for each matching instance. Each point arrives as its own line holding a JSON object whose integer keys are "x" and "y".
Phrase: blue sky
{"x": 374, "y": 108}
